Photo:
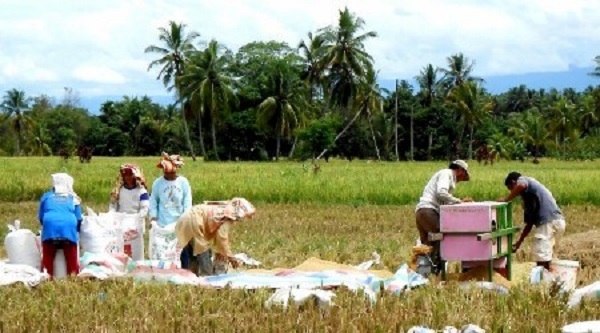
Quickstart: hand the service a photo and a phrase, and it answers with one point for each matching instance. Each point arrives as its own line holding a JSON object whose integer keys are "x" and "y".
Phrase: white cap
{"x": 464, "y": 166}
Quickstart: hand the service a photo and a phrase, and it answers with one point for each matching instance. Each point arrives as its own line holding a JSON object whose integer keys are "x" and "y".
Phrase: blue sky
{"x": 96, "y": 47}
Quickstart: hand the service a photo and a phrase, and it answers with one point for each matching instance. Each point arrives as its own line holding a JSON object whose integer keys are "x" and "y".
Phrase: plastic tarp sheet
{"x": 403, "y": 279}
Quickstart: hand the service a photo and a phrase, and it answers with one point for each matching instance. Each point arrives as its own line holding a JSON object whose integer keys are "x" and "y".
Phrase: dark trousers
{"x": 49, "y": 249}
{"x": 428, "y": 220}
{"x": 200, "y": 264}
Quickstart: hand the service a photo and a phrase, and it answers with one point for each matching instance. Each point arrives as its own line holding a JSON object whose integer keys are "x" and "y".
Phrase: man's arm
{"x": 524, "y": 234}
{"x": 516, "y": 191}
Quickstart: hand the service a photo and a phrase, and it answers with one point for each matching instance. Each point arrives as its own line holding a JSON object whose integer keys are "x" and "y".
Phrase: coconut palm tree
{"x": 177, "y": 45}
{"x": 14, "y": 105}
{"x": 370, "y": 102}
{"x": 312, "y": 52}
{"x": 532, "y": 128}
{"x": 279, "y": 113}
{"x": 596, "y": 71}
{"x": 565, "y": 122}
{"x": 209, "y": 86}
{"x": 468, "y": 101}
{"x": 430, "y": 89}
{"x": 345, "y": 59}
{"x": 430, "y": 84}
{"x": 460, "y": 70}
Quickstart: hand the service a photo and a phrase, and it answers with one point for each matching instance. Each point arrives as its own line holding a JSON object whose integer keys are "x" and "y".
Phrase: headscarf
{"x": 62, "y": 184}
{"x": 139, "y": 180}
{"x": 170, "y": 163}
{"x": 236, "y": 209}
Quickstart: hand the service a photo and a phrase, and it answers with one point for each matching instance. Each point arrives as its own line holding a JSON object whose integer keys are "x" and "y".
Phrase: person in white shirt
{"x": 130, "y": 195}
{"x": 437, "y": 192}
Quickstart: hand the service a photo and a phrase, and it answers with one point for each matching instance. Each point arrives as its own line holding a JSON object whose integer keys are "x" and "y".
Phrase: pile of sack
{"x": 110, "y": 245}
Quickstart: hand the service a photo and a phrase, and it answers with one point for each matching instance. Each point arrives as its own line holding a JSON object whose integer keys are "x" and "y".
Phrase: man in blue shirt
{"x": 540, "y": 210}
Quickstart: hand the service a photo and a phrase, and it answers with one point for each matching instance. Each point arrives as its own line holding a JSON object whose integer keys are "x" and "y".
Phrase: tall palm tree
{"x": 430, "y": 84}
{"x": 430, "y": 88}
{"x": 14, "y": 105}
{"x": 565, "y": 122}
{"x": 345, "y": 59}
{"x": 369, "y": 102}
{"x": 467, "y": 100}
{"x": 177, "y": 45}
{"x": 532, "y": 128}
{"x": 209, "y": 86}
{"x": 596, "y": 71}
{"x": 460, "y": 70}
{"x": 312, "y": 52}
{"x": 279, "y": 113}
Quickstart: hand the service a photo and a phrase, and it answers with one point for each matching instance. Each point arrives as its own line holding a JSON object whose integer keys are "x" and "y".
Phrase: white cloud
{"x": 97, "y": 47}
{"x": 98, "y": 74}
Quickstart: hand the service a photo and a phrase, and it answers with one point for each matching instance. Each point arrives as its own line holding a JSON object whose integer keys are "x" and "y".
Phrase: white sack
{"x": 22, "y": 247}
{"x": 163, "y": 244}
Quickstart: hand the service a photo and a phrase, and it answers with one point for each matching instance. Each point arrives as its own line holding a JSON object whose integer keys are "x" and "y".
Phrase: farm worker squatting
{"x": 60, "y": 216}
{"x": 130, "y": 196}
{"x": 438, "y": 191}
{"x": 540, "y": 210}
{"x": 171, "y": 196}
{"x": 209, "y": 222}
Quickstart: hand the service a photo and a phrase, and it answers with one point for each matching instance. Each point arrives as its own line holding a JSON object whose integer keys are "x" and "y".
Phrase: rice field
{"x": 342, "y": 213}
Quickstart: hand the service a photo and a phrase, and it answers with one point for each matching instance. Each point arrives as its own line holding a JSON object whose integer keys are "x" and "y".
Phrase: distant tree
{"x": 14, "y": 106}
{"x": 596, "y": 71}
{"x": 278, "y": 113}
{"x": 176, "y": 47}
{"x": 345, "y": 58}
{"x": 312, "y": 53}
{"x": 459, "y": 71}
{"x": 208, "y": 85}
{"x": 468, "y": 101}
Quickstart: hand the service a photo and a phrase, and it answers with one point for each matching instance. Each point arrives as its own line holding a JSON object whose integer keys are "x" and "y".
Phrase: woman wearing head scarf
{"x": 60, "y": 216}
{"x": 130, "y": 195}
{"x": 171, "y": 196}
{"x": 208, "y": 224}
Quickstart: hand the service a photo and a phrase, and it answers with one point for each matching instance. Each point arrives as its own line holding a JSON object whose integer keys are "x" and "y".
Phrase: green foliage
{"x": 317, "y": 136}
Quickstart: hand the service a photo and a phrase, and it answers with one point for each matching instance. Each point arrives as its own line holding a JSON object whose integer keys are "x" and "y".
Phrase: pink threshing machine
{"x": 476, "y": 232}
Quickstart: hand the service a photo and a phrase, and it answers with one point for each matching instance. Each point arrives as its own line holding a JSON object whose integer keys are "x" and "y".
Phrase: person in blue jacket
{"x": 60, "y": 216}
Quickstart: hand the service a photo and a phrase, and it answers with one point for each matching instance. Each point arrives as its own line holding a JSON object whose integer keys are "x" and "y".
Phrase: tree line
{"x": 316, "y": 99}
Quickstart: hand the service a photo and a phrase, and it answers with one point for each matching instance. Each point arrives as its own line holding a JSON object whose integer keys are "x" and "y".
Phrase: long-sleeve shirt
{"x": 132, "y": 201}
{"x": 438, "y": 191}
{"x": 199, "y": 227}
{"x": 60, "y": 216}
{"x": 169, "y": 199}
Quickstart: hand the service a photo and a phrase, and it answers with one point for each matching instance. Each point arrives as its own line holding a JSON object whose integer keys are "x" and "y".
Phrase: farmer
{"x": 60, "y": 216}
{"x": 130, "y": 196}
{"x": 437, "y": 192}
{"x": 540, "y": 210}
{"x": 210, "y": 223}
{"x": 171, "y": 196}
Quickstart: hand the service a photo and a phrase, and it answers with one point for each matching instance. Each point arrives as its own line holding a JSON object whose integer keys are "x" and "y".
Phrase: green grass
{"x": 338, "y": 182}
